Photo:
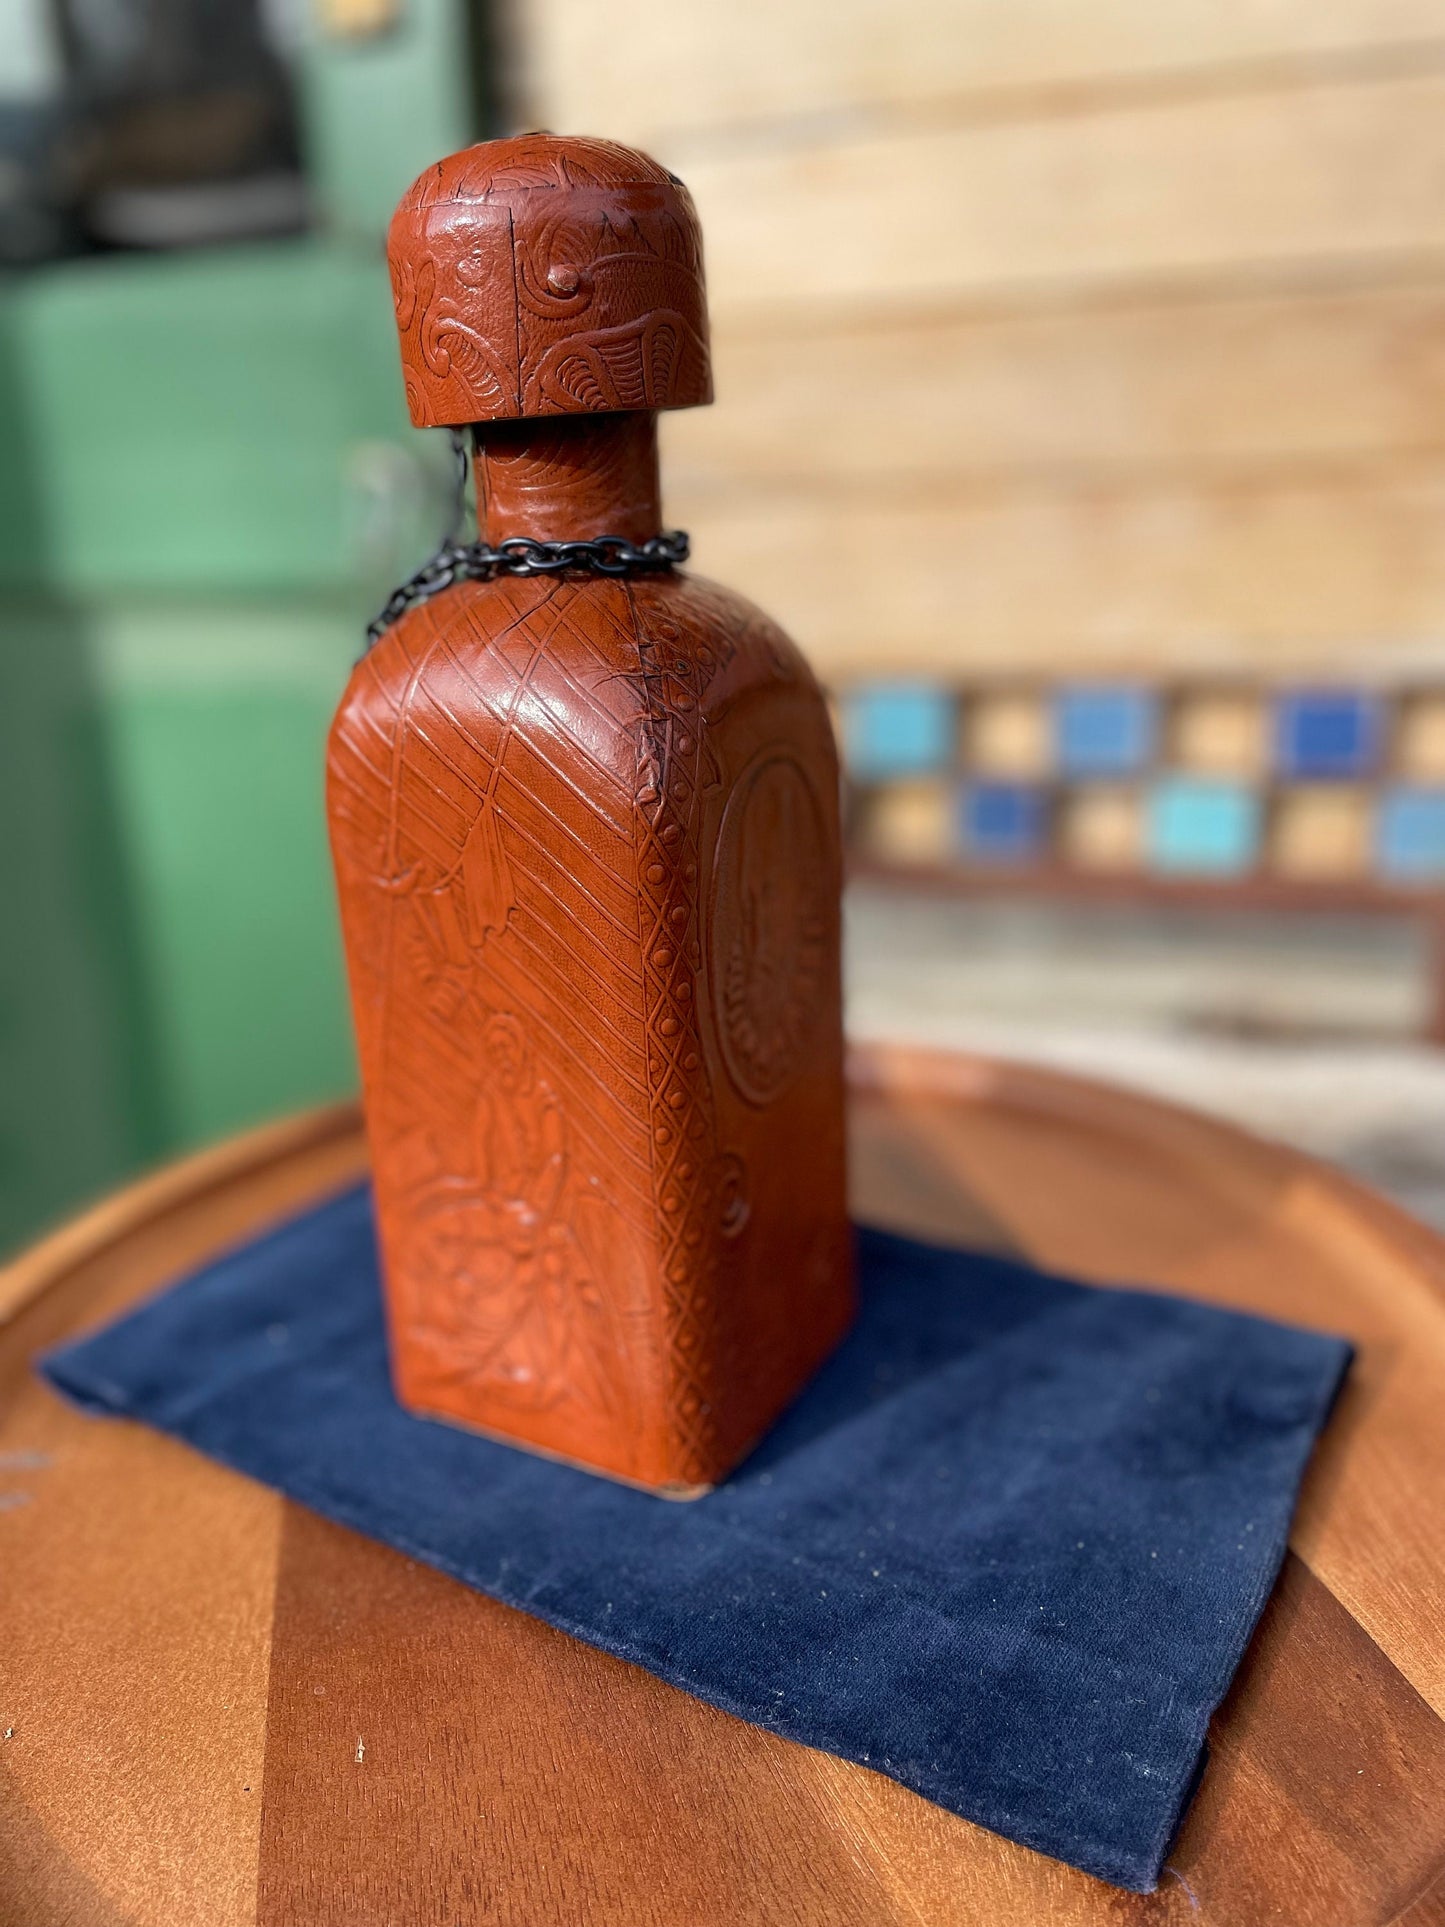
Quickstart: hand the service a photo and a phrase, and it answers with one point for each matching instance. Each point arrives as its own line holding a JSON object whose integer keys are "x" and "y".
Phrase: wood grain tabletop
{"x": 218, "y": 1709}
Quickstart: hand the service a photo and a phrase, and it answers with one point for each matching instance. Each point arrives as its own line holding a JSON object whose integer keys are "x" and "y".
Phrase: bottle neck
{"x": 568, "y": 478}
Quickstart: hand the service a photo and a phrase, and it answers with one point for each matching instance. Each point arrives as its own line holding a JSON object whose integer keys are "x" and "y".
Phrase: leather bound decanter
{"x": 586, "y": 839}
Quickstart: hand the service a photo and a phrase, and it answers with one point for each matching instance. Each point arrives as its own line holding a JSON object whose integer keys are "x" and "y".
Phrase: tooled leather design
{"x": 451, "y": 311}
{"x": 610, "y": 1202}
{"x": 769, "y": 938}
{"x": 637, "y": 365}
{"x": 515, "y": 1204}
{"x": 598, "y": 304}
{"x": 521, "y": 781}
{"x": 533, "y": 160}
{"x": 693, "y": 1190}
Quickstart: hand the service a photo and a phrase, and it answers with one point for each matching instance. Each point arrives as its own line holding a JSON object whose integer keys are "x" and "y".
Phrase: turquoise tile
{"x": 1201, "y": 827}
{"x": 898, "y": 729}
{"x": 1410, "y": 835}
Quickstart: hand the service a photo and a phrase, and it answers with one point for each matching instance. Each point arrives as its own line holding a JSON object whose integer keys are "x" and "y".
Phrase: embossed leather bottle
{"x": 586, "y": 843}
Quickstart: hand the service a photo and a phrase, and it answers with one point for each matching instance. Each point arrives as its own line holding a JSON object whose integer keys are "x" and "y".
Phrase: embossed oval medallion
{"x": 769, "y": 924}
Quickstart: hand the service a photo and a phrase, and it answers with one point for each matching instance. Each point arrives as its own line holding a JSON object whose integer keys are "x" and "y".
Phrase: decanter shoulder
{"x": 737, "y": 641}
{"x": 575, "y": 686}
{"x": 591, "y": 656}
{"x": 514, "y": 671}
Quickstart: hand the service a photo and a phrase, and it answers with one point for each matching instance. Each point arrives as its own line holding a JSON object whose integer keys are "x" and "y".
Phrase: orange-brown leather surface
{"x": 587, "y": 844}
{"x": 587, "y": 847}
{"x": 548, "y": 276}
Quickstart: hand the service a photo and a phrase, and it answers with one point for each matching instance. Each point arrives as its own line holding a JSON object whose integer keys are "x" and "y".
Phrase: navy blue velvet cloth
{"x": 1007, "y": 1548}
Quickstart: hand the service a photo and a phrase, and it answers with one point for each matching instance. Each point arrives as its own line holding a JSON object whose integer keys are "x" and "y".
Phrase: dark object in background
{"x": 185, "y": 129}
{"x": 174, "y": 125}
{"x": 36, "y": 220}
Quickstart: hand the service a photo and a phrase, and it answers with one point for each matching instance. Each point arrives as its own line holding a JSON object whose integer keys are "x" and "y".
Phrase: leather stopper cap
{"x": 545, "y": 275}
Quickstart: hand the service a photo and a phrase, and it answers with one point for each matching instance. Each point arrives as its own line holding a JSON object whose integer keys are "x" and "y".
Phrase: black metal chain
{"x": 458, "y": 561}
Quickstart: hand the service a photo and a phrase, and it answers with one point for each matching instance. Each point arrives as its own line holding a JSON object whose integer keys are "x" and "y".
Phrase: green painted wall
{"x": 76, "y": 1100}
{"x": 207, "y": 484}
{"x": 78, "y": 1104}
{"x": 217, "y": 719}
{"x": 378, "y": 111}
{"x": 195, "y": 423}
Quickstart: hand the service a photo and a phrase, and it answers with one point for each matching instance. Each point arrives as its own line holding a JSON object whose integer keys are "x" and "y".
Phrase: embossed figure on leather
{"x": 542, "y": 277}
{"x": 587, "y": 849}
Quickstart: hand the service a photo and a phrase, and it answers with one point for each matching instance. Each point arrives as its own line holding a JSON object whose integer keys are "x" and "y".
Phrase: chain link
{"x": 457, "y": 561}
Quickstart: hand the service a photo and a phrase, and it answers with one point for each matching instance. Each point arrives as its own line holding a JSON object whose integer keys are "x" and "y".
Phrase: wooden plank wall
{"x": 1101, "y": 334}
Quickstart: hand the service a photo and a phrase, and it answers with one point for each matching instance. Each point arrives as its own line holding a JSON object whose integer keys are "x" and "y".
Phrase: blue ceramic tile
{"x": 898, "y": 729}
{"x": 1410, "y": 835}
{"x": 1324, "y": 733}
{"x": 1202, "y": 827}
{"x": 1105, "y": 730}
{"x": 1004, "y": 822}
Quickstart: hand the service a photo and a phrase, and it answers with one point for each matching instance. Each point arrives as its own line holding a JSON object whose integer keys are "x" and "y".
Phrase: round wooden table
{"x": 218, "y": 1708}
